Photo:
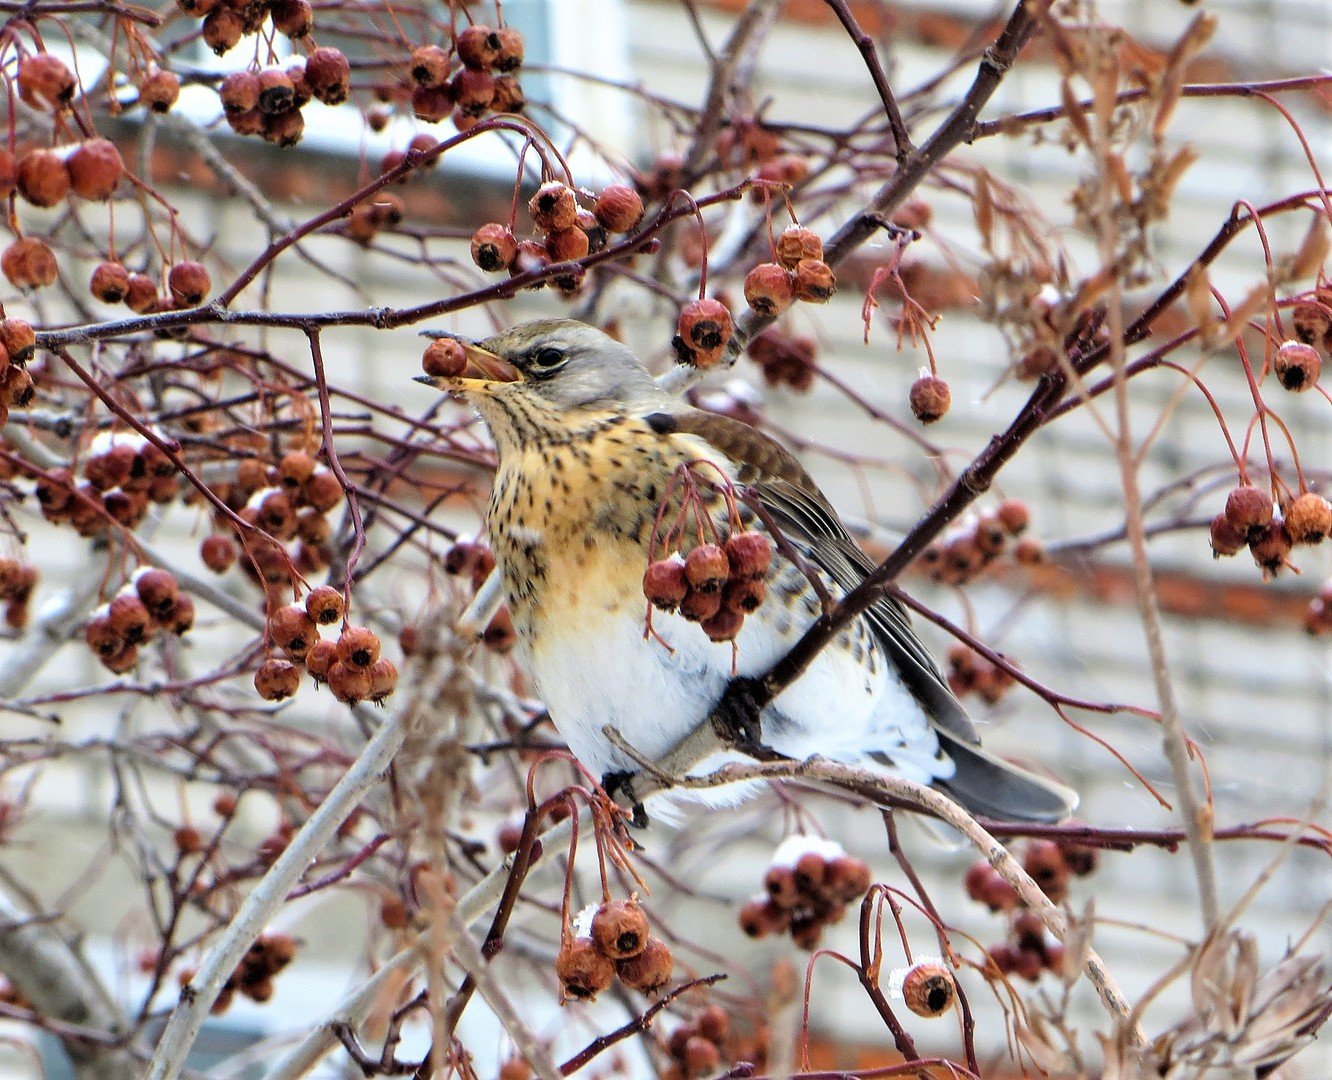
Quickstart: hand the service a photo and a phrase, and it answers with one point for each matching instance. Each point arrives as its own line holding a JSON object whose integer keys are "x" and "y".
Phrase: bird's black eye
{"x": 547, "y": 359}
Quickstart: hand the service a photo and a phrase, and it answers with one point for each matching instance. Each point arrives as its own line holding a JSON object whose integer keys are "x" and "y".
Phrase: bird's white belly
{"x": 603, "y": 670}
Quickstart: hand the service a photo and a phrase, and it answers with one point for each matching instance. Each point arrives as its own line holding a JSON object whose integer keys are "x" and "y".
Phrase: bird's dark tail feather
{"x": 991, "y": 787}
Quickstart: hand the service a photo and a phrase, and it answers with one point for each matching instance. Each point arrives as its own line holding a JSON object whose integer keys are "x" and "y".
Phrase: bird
{"x": 597, "y": 470}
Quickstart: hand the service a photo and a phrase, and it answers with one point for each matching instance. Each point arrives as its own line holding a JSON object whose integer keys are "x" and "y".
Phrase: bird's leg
{"x": 736, "y": 720}
{"x": 621, "y": 782}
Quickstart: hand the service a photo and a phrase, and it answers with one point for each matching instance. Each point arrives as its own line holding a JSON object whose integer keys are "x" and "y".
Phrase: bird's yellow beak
{"x": 481, "y": 370}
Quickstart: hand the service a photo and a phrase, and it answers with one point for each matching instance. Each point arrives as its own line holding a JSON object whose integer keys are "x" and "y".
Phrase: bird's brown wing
{"x": 788, "y": 492}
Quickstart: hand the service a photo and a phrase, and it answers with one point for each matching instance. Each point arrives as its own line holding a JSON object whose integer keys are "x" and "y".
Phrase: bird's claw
{"x": 619, "y": 786}
{"x": 736, "y": 718}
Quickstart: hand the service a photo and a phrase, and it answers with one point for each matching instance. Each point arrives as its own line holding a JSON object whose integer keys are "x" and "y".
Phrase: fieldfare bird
{"x": 601, "y": 473}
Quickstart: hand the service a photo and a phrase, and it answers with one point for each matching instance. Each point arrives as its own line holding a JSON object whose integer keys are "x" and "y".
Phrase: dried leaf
{"x": 1190, "y": 43}
{"x": 1312, "y": 251}
{"x": 1077, "y": 119}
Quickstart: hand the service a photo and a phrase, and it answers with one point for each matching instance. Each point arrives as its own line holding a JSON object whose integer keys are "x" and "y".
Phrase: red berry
{"x": 929, "y": 398}
{"x": 383, "y": 679}
{"x": 707, "y": 568}
{"x": 45, "y": 82}
{"x": 699, "y": 606}
{"x": 218, "y": 553}
{"x": 814, "y": 281}
{"x": 1297, "y": 366}
{"x": 140, "y": 293}
{"x": 109, "y": 282}
{"x": 472, "y": 91}
{"x": 43, "y": 177}
{"x": 160, "y": 89}
{"x": 553, "y": 207}
{"x": 157, "y": 589}
{"x": 494, "y": 247}
{"x": 189, "y": 283}
{"x": 1270, "y": 546}
{"x": 583, "y": 969}
{"x": 95, "y": 168}
{"x": 567, "y": 245}
{"x": 665, "y": 584}
{"x": 509, "y": 56}
{"x": 358, "y": 647}
{"x": 743, "y": 595}
{"x": 322, "y": 656}
{"x": 618, "y": 208}
{"x": 724, "y": 625}
{"x": 1309, "y": 519}
{"x": 277, "y": 679}
{"x": 929, "y": 990}
{"x": 349, "y": 684}
{"x": 292, "y": 631}
{"x": 769, "y": 289}
{"x": 1044, "y": 862}
{"x": 222, "y": 31}
{"x": 324, "y": 605}
{"x": 328, "y": 73}
{"x": 705, "y": 325}
{"x": 1014, "y": 516}
{"x": 295, "y": 18}
{"x": 1249, "y": 509}
{"x": 29, "y": 263}
{"x": 797, "y": 244}
{"x": 650, "y": 970}
{"x": 429, "y": 67}
{"x": 749, "y": 554}
{"x": 444, "y": 358}
{"x": 620, "y": 928}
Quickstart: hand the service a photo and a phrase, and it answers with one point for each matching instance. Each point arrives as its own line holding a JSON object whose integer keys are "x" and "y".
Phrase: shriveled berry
{"x": 650, "y": 970}
{"x": 797, "y": 244}
{"x": 509, "y": 96}
{"x": 43, "y": 177}
{"x": 707, "y": 568}
{"x": 323, "y": 490}
{"x": 749, "y": 553}
{"x": 478, "y": 46}
{"x": 129, "y": 618}
{"x": 109, "y": 282}
{"x": 277, "y": 92}
{"x": 1297, "y": 366}
{"x": 769, "y": 289}
{"x": 1249, "y": 509}
{"x": 429, "y": 67}
{"x": 45, "y": 81}
{"x": 294, "y": 468}
{"x": 1045, "y": 863}
{"x": 929, "y": 398}
{"x": 189, "y": 283}
{"x": 324, "y": 605}
{"x": 620, "y": 928}
{"x": 814, "y": 281}
{"x": 494, "y": 247}
{"x": 583, "y": 969}
{"x": 218, "y": 553}
{"x": 29, "y": 263}
{"x": 95, "y": 169}
{"x": 724, "y": 625}
{"x": 383, "y": 679}
{"x": 567, "y": 245}
{"x": 553, "y": 207}
{"x": 699, "y": 606}
{"x": 743, "y": 596}
{"x": 328, "y": 73}
{"x": 847, "y": 878}
{"x": 179, "y": 618}
{"x": 509, "y": 55}
{"x": 618, "y": 208}
{"x": 349, "y": 684}
{"x": 140, "y": 293}
{"x": 444, "y": 358}
{"x": 295, "y": 18}
{"x": 321, "y": 656}
{"x": 18, "y": 340}
{"x": 292, "y": 630}
{"x": 222, "y": 31}
{"x": 705, "y": 324}
{"x": 101, "y": 636}
{"x": 929, "y": 990}
{"x": 1270, "y": 546}
{"x": 1225, "y": 538}
{"x": 160, "y": 89}
{"x": 1313, "y": 324}
{"x": 1309, "y": 519}
{"x": 158, "y": 590}
{"x": 665, "y": 584}
{"x": 358, "y": 647}
{"x": 277, "y": 679}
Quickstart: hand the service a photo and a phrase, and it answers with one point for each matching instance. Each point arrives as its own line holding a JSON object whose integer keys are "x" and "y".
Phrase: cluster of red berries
{"x": 187, "y": 285}
{"x": 785, "y": 359}
{"x": 472, "y": 79}
{"x": 1250, "y": 520}
{"x": 18, "y": 342}
{"x": 263, "y": 961}
{"x": 17, "y": 581}
{"x": 807, "y": 887}
{"x": 698, "y": 1047}
{"x": 702, "y": 333}
{"x": 714, "y": 585}
{"x": 289, "y": 500}
{"x": 615, "y": 941}
{"x": 961, "y": 555}
{"x": 971, "y": 673}
{"x": 122, "y": 474}
{"x": 1052, "y": 865}
{"x": 351, "y": 666}
{"x": 268, "y": 102}
{"x": 472, "y": 559}
{"x": 150, "y": 602}
{"x": 566, "y": 232}
{"x": 91, "y": 169}
{"x": 798, "y": 273}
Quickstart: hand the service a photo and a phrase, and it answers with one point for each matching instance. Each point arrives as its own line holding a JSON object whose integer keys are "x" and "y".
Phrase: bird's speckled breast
{"x": 571, "y": 520}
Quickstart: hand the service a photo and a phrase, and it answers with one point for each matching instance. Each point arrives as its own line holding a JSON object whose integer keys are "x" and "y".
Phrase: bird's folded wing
{"x": 806, "y": 517}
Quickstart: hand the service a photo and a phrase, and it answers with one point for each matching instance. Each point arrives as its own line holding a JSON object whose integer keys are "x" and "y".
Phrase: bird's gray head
{"x": 562, "y": 364}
